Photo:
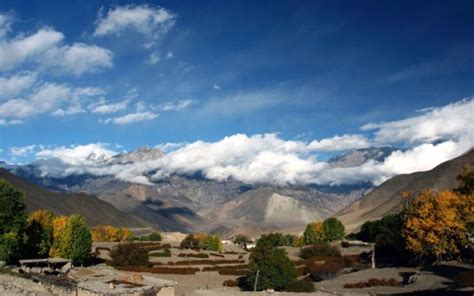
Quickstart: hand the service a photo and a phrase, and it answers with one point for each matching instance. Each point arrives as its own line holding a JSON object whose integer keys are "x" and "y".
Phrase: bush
{"x": 301, "y": 286}
{"x": 155, "y": 237}
{"x": 373, "y": 283}
{"x": 323, "y": 271}
{"x": 242, "y": 240}
{"x": 200, "y": 241}
{"x": 205, "y": 262}
{"x": 200, "y": 255}
{"x": 129, "y": 255}
{"x": 465, "y": 279}
{"x": 230, "y": 283}
{"x": 321, "y": 249}
{"x": 218, "y": 255}
{"x": 162, "y": 270}
{"x": 333, "y": 229}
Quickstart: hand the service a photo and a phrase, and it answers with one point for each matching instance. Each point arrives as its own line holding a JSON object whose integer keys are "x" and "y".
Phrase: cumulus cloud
{"x": 77, "y": 59}
{"x": 131, "y": 118}
{"x": 15, "y": 85}
{"x": 337, "y": 143}
{"x": 110, "y": 107}
{"x": 45, "y": 48}
{"x": 4, "y": 122}
{"x": 56, "y": 99}
{"x": 450, "y": 121}
{"x": 17, "y": 50}
{"x": 154, "y": 58}
{"x": 150, "y": 21}
{"x": 178, "y": 105}
{"x": 46, "y": 98}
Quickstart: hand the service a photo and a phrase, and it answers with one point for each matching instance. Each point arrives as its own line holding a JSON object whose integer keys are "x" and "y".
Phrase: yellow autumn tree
{"x": 314, "y": 233}
{"x": 107, "y": 233}
{"x": 435, "y": 222}
{"x": 59, "y": 224}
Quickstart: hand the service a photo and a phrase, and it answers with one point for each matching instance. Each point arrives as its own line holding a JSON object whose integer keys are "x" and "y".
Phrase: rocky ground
{"x": 14, "y": 285}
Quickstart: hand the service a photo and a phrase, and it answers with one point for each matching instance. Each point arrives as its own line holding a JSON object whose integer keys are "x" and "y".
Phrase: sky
{"x": 297, "y": 79}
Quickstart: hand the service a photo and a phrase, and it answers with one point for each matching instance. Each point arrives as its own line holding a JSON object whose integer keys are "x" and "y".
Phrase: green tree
{"x": 274, "y": 268}
{"x": 12, "y": 221}
{"x": 39, "y": 234}
{"x": 333, "y": 229}
{"x": 275, "y": 239}
{"x": 242, "y": 240}
{"x": 76, "y": 241}
{"x": 314, "y": 233}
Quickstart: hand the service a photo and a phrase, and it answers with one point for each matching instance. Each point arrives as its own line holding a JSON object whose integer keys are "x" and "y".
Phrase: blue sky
{"x": 182, "y": 71}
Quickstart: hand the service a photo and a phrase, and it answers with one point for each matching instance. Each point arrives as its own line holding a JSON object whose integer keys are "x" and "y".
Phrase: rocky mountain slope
{"x": 385, "y": 199}
{"x": 95, "y": 211}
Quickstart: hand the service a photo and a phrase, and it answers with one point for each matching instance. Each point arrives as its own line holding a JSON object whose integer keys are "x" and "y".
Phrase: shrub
{"x": 302, "y": 286}
{"x": 190, "y": 242}
{"x": 159, "y": 269}
{"x": 206, "y": 262}
{"x": 230, "y": 283}
{"x": 373, "y": 283}
{"x": 228, "y": 267}
{"x": 129, "y": 254}
{"x": 321, "y": 249}
{"x": 465, "y": 279}
{"x": 155, "y": 237}
{"x": 200, "y": 255}
{"x": 333, "y": 229}
{"x": 234, "y": 272}
{"x": 324, "y": 271}
{"x": 217, "y": 255}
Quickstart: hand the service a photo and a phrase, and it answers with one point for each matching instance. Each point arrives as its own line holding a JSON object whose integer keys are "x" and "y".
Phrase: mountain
{"x": 385, "y": 199}
{"x": 95, "y": 211}
{"x": 191, "y": 202}
{"x": 358, "y": 157}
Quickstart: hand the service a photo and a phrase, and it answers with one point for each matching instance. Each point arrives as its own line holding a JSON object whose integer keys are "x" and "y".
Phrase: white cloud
{"x": 45, "y": 99}
{"x": 267, "y": 158}
{"x": 216, "y": 86}
{"x": 150, "y": 21}
{"x": 131, "y": 118}
{"x": 22, "y": 151}
{"x": 56, "y": 99}
{"x": 15, "y": 51}
{"x": 450, "y": 121}
{"x": 78, "y": 155}
{"x": 111, "y": 107}
{"x": 154, "y": 58}
{"x": 15, "y": 85}
{"x": 169, "y": 55}
{"x": 338, "y": 143}
{"x": 76, "y": 59}
{"x": 178, "y": 105}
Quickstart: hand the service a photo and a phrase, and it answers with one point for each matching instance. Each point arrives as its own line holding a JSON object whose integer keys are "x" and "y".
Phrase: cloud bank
{"x": 267, "y": 158}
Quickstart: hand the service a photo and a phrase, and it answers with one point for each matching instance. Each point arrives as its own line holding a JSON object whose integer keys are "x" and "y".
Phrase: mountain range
{"x": 190, "y": 203}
